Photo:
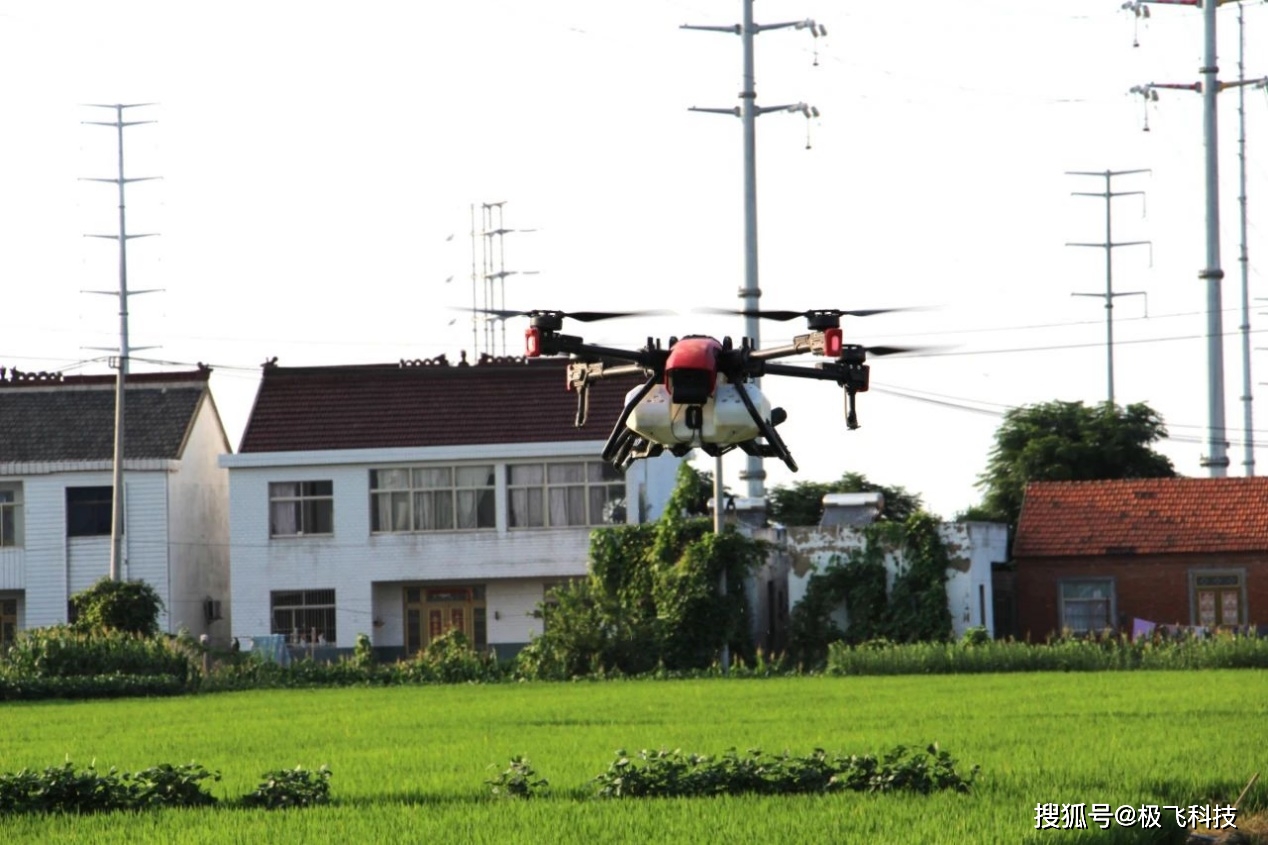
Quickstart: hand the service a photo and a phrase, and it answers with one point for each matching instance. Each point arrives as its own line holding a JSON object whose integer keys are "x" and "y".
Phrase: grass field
{"x": 410, "y": 763}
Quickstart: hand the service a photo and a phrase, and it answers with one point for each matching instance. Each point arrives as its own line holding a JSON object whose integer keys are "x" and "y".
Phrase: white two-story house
{"x": 406, "y": 500}
{"x": 57, "y": 496}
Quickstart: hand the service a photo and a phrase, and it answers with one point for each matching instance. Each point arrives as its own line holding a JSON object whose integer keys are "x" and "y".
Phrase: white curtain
{"x": 284, "y": 517}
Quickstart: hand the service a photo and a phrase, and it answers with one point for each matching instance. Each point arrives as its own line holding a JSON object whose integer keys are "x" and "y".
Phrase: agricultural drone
{"x": 699, "y": 392}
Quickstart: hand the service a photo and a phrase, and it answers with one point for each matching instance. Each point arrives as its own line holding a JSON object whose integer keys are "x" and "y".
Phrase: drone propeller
{"x": 580, "y": 316}
{"x": 810, "y": 314}
{"x": 894, "y": 350}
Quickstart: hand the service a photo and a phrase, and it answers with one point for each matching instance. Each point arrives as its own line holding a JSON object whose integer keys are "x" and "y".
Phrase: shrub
{"x": 674, "y": 774}
{"x": 977, "y": 636}
{"x": 297, "y": 787}
{"x": 1066, "y": 654}
{"x": 90, "y": 686}
{"x": 63, "y": 789}
{"x": 450, "y": 658}
{"x": 363, "y": 653}
{"x": 128, "y": 606}
{"x": 62, "y": 651}
{"x": 166, "y": 785}
{"x": 519, "y": 780}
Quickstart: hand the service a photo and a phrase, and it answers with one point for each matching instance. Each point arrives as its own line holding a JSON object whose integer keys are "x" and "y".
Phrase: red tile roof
{"x": 1143, "y": 516}
{"x": 425, "y": 404}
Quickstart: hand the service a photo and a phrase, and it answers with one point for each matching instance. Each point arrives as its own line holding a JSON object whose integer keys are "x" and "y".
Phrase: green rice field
{"x": 409, "y": 763}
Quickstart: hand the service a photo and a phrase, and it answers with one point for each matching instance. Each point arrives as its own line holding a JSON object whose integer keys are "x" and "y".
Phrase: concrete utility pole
{"x": 1248, "y": 414}
{"x": 121, "y": 363}
{"x": 1217, "y": 460}
{"x": 1109, "y": 246}
{"x": 748, "y": 111}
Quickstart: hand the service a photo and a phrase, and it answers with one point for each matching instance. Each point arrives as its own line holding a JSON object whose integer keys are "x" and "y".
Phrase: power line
{"x": 1057, "y": 347}
{"x": 960, "y": 404}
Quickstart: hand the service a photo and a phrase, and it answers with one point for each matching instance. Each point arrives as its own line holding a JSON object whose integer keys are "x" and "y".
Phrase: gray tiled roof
{"x": 73, "y": 419}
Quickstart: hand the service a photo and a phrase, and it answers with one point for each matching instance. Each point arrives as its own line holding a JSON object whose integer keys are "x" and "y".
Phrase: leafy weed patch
{"x": 64, "y": 789}
{"x": 664, "y": 774}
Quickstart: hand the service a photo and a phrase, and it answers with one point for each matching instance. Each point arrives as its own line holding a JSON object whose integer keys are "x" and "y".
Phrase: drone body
{"x": 700, "y": 392}
{"x": 723, "y": 417}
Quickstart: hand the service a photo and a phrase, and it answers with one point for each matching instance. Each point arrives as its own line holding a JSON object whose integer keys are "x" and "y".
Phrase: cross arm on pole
{"x": 1116, "y": 243}
{"x": 129, "y": 293}
{"x": 1102, "y": 194}
{"x": 116, "y": 123}
{"x": 118, "y": 181}
{"x": 1106, "y": 172}
{"x": 1114, "y": 294}
{"x": 733, "y": 29}
{"x": 802, "y": 108}
{"x": 1240, "y": 83}
{"x": 816, "y": 29}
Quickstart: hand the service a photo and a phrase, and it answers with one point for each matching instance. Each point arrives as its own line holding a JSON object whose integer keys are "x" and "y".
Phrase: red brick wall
{"x": 1154, "y": 587}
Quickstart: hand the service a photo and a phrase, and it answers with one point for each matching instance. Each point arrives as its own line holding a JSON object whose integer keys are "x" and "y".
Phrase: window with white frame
{"x": 304, "y": 616}
{"x": 564, "y": 493}
{"x": 11, "y": 514}
{"x": 445, "y": 498}
{"x": 1087, "y": 605}
{"x": 299, "y": 508}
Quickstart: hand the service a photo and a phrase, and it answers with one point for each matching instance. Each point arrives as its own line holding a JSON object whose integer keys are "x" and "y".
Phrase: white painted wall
{"x": 45, "y": 552}
{"x": 198, "y": 528}
{"x": 981, "y": 543}
{"x": 654, "y": 479}
{"x": 366, "y": 570}
{"x": 57, "y": 567}
{"x": 973, "y": 547}
{"x": 146, "y": 539}
{"x": 511, "y": 604}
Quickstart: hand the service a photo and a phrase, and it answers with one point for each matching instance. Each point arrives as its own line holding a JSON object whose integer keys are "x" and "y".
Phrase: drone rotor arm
{"x": 821, "y": 372}
{"x": 619, "y": 370}
{"x": 553, "y": 343}
{"x": 801, "y": 344}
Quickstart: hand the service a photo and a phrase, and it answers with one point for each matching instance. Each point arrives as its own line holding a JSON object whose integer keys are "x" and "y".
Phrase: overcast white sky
{"x": 316, "y": 156}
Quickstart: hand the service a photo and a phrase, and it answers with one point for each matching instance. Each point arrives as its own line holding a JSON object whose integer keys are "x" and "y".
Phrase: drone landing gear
{"x": 624, "y": 447}
{"x": 629, "y": 447}
{"x": 774, "y": 447}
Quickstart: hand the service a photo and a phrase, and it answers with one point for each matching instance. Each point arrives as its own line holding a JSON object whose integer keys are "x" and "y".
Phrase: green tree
{"x": 126, "y": 606}
{"x": 1068, "y": 441}
{"x": 802, "y": 503}
{"x": 693, "y": 492}
{"x": 651, "y": 598}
